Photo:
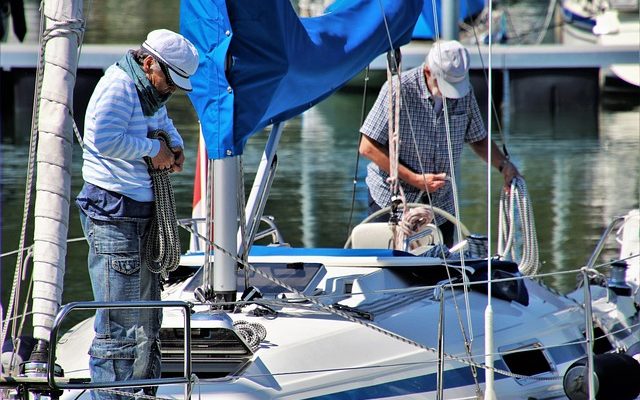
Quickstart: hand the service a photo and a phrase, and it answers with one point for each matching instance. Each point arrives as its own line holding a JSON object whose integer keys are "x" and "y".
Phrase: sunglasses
{"x": 165, "y": 71}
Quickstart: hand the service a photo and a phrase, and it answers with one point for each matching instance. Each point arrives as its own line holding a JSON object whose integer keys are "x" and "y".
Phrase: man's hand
{"x": 164, "y": 159}
{"x": 509, "y": 172}
{"x": 431, "y": 182}
{"x": 178, "y": 153}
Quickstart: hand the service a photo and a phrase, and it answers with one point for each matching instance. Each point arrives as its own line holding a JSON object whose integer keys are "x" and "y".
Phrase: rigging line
{"x": 456, "y": 203}
{"x": 393, "y": 120}
{"x": 20, "y": 320}
{"x": 15, "y": 289}
{"x": 387, "y": 30}
{"x": 240, "y": 198}
{"x": 314, "y": 301}
{"x": 421, "y": 164}
{"x": 512, "y": 26}
{"x": 355, "y": 172}
{"x": 58, "y": 28}
{"x": 467, "y": 361}
{"x": 468, "y": 342}
{"x": 44, "y": 37}
{"x": 488, "y": 313}
{"x": 12, "y": 252}
{"x": 494, "y": 109}
{"x": 547, "y": 22}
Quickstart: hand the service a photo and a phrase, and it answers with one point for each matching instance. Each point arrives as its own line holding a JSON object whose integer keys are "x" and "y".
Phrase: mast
{"x": 62, "y": 36}
{"x": 450, "y": 13}
{"x": 225, "y": 215}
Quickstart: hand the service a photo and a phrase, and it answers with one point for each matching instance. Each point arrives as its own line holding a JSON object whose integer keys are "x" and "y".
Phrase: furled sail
{"x": 260, "y": 63}
{"x": 64, "y": 23}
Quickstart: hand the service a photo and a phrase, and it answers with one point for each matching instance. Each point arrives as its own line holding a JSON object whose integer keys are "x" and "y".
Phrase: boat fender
{"x": 616, "y": 377}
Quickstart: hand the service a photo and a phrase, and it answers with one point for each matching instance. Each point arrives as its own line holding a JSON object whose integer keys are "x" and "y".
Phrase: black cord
{"x": 355, "y": 173}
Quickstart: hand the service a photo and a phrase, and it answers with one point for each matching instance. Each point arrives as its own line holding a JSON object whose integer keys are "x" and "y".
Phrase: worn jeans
{"x": 126, "y": 344}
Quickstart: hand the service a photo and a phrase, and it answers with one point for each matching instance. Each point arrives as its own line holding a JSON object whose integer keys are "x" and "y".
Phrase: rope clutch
{"x": 162, "y": 247}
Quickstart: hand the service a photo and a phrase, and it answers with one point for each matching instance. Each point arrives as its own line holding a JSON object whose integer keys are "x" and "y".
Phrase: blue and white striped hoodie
{"x": 115, "y": 137}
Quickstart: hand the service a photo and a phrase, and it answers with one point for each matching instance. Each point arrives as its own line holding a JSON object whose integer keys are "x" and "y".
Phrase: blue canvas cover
{"x": 425, "y": 27}
{"x": 260, "y": 63}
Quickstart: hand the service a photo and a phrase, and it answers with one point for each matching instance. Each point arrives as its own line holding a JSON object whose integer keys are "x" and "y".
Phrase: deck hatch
{"x": 527, "y": 359}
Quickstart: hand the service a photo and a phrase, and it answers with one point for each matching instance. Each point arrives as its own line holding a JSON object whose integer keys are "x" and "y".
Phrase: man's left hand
{"x": 179, "y": 159}
{"x": 509, "y": 172}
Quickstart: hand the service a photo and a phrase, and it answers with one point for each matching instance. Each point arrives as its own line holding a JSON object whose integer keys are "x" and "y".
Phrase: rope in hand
{"x": 516, "y": 228}
{"x": 162, "y": 247}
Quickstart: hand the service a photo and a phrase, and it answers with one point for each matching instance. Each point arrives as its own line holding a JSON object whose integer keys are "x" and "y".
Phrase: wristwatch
{"x": 504, "y": 162}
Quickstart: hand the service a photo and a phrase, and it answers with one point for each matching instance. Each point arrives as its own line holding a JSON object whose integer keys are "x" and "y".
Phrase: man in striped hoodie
{"x": 116, "y": 201}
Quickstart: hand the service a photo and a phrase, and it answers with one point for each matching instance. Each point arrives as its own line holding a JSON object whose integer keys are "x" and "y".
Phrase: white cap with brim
{"x": 176, "y": 52}
{"x": 449, "y": 62}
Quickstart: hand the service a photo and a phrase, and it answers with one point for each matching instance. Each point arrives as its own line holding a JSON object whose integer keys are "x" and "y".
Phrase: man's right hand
{"x": 164, "y": 159}
{"x": 431, "y": 182}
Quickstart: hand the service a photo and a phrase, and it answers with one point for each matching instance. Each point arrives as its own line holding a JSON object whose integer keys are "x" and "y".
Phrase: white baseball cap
{"x": 449, "y": 62}
{"x": 176, "y": 52}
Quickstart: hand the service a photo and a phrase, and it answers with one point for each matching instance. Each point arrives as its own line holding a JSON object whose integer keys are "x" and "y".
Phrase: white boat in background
{"x": 384, "y": 317}
{"x": 606, "y": 23}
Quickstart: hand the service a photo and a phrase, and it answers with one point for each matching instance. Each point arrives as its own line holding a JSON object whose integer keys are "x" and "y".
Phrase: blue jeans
{"x": 126, "y": 344}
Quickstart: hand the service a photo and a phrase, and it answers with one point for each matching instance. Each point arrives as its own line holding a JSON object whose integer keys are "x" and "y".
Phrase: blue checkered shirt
{"x": 418, "y": 106}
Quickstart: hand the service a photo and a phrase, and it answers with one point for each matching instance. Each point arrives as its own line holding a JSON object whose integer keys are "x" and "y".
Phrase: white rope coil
{"x": 517, "y": 226}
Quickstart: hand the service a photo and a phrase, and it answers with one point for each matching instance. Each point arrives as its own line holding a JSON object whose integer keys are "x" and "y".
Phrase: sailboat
{"x": 361, "y": 322}
{"x": 605, "y": 23}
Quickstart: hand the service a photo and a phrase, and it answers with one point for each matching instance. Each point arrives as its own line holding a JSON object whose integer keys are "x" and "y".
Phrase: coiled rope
{"x": 516, "y": 207}
{"x": 162, "y": 247}
{"x": 252, "y": 332}
{"x": 413, "y": 220}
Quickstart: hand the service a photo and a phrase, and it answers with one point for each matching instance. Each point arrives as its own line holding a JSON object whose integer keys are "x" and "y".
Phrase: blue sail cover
{"x": 425, "y": 27}
{"x": 277, "y": 64}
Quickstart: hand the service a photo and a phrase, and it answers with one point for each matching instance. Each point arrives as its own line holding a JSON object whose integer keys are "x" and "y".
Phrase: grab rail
{"x": 93, "y": 305}
{"x": 191, "y": 225}
{"x": 601, "y": 242}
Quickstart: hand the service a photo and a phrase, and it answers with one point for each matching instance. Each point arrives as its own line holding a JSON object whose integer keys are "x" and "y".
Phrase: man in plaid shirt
{"x": 424, "y": 167}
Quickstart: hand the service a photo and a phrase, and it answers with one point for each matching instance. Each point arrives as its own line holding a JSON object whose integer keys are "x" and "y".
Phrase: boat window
{"x": 304, "y": 277}
{"x": 601, "y": 343}
{"x": 528, "y": 360}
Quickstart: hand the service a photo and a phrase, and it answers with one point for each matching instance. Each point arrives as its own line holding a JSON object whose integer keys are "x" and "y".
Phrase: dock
{"x": 555, "y": 80}
{"x": 527, "y": 57}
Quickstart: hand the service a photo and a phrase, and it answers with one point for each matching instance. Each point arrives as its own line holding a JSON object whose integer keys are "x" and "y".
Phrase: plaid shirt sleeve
{"x": 475, "y": 131}
{"x": 376, "y": 125}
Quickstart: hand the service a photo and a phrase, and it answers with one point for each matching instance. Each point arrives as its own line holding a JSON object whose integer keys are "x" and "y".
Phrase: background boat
{"x": 606, "y": 23}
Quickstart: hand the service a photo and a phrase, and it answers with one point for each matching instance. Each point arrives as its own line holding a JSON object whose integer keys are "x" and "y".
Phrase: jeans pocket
{"x": 125, "y": 264}
{"x": 119, "y": 241}
{"x": 115, "y": 349}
